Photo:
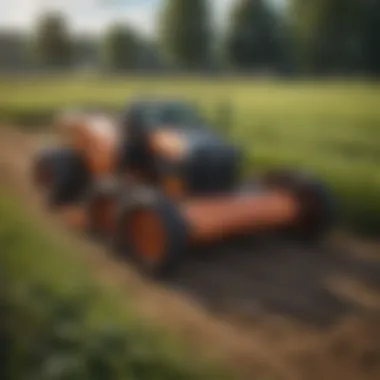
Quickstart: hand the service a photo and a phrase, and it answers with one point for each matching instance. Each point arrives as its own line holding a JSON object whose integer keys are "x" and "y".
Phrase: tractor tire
{"x": 151, "y": 232}
{"x": 60, "y": 175}
{"x": 318, "y": 209}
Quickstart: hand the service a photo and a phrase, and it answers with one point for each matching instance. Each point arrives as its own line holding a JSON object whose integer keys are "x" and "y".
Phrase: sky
{"x": 94, "y": 15}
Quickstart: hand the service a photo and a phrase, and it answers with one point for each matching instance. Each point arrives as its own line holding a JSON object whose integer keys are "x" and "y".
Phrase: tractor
{"x": 155, "y": 180}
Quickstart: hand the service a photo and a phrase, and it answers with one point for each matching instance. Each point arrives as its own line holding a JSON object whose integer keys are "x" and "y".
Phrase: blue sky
{"x": 95, "y": 15}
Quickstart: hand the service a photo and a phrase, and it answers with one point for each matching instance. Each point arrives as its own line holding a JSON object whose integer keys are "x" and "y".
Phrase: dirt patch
{"x": 262, "y": 306}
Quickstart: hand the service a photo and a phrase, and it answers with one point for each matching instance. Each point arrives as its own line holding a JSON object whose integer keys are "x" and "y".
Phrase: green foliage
{"x": 371, "y": 36}
{"x": 340, "y": 37}
{"x": 56, "y": 322}
{"x": 86, "y": 51}
{"x": 337, "y": 36}
{"x": 14, "y": 50}
{"x": 186, "y": 32}
{"x": 254, "y": 38}
{"x": 120, "y": 48}
{"x": 53, "y": 44}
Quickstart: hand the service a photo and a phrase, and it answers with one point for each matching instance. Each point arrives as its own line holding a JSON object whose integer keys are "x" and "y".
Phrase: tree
{"x": 336, "y": 36}
{"x": 13, "y": 52}
{"x": 253, "y": 39}
{"x": 121, "y": 48}
{"x": 86, "y": 51}
{"x": 53, "y": 43}
{"x": 371, "y": 36}
{"x": 186, "y": 33}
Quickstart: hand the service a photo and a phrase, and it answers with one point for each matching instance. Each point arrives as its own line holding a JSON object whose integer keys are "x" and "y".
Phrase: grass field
{"x": 58, "y": 321}
{"x": 330, "y": 127}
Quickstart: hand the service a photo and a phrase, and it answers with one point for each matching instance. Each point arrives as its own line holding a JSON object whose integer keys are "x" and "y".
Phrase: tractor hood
{"x": 184, "y": 141}
{"x": 207, "y": 163}
{"x": 200, "y": 138}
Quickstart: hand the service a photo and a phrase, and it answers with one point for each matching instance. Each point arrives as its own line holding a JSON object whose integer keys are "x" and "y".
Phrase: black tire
{"x": 173, "y": 225}
{"x": 61, "y": 175}
{"x": 318, "y": 209}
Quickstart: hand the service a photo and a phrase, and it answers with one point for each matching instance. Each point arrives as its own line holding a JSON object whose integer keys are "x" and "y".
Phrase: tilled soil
{"x": 298, "y": 282}
{"x": 262, "y": 305}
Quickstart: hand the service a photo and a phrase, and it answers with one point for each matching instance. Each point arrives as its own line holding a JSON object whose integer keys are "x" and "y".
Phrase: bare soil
{"x": 263, "y": 306}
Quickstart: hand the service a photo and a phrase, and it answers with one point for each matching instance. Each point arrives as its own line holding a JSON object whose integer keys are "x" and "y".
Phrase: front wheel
{"x": 152, "y": 232}
{"x": 60, "y": 175}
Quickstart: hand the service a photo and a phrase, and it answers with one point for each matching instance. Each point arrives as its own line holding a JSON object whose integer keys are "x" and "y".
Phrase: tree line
{"x": 313, "y": 37}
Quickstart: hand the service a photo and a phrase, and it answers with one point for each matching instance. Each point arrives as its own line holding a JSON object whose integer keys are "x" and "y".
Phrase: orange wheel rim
{"x": 146, "y": 235}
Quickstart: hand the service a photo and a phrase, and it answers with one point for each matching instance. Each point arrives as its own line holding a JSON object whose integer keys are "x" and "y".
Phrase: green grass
{"x": 55, "y": 316}
{"x": 331, "y": 127}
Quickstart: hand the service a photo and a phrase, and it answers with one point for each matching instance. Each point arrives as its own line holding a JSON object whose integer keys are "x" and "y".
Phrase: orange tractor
{"x": 156, "y": 181}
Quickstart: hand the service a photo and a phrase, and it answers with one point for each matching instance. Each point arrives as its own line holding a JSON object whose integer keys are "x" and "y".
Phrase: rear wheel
{"x": 60, "y": 175}
{"x": 151, "y": 232}
{"x": 317, "y": 204}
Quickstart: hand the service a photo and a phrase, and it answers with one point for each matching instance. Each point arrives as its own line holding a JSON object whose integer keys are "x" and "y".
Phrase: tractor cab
{"x": 169, "y": 142}
{"x": 146, "y": 115}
